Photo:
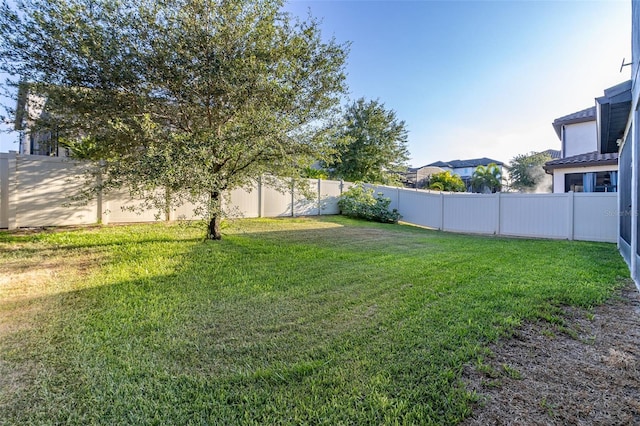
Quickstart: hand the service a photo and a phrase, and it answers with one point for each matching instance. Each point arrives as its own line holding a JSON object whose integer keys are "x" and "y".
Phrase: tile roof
{"x": 553, "y": 153}
{"x": 581, "y": 160}
{"x": 459, "y": 164}
{"x": 587, "y": 114}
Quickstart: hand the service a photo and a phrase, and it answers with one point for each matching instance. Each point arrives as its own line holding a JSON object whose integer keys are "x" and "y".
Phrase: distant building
{"x": 418, "y": 177}
{"x": 553, "y": 153}
{"x": 465, "y": 168}
{"x": 30, "y": 108}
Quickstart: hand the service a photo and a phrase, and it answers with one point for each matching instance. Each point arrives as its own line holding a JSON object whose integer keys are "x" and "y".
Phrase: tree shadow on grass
{"x": 232, "y": 332}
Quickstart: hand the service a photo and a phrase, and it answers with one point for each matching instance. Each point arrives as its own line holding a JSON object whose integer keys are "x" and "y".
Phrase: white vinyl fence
{"x": 34, "y": 191}
{"x": 573, "y": 216}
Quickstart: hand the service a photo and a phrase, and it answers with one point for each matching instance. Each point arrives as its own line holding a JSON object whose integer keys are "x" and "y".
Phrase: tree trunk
{"x": 213, "y": 230}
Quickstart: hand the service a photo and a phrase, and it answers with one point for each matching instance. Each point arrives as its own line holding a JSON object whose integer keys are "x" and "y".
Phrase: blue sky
{"x": 479, "y": 78}
{"x": 476, "y": 78}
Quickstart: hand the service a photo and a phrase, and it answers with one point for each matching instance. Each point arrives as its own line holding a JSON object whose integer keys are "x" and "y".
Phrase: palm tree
{"x": 486, "y": 179}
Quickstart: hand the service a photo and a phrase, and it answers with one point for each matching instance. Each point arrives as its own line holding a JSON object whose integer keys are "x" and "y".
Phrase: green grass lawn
{"x": 284, "y": 321}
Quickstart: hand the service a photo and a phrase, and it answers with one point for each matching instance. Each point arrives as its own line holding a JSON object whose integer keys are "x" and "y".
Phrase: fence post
{"x": 106, "y": 208}
{"x": 260, "y": 198}
{"x": 441, "y": 211}
{"x": 99, "y": 195}
{"x": 167, "y": 207}
{"x": 319, "y": 196}
{"x": 498, "y": 217}
{"x": 293, "y": 198}
{"x": 570, "y": 207}
{"x": 4, "y": 190}
{"x": 12, "y": 187}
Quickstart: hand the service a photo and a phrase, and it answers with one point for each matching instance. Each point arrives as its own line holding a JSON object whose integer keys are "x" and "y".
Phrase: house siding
{"x": 580, "y": 138}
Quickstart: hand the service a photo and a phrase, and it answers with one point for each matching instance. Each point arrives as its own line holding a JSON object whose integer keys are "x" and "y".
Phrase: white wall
{"x": 580, "y": 138}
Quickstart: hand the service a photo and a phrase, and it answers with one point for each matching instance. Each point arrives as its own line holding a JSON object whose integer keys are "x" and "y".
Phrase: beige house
{"x": 418, "y": 177}
{"x": 582, "y": 166}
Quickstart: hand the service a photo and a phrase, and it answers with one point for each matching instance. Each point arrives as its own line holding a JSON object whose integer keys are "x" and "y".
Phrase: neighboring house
{"x": 581, "y": 167}
{"x": 465, "y": 168}
{"x": 553, "y": 153}
{"x": 28, "y": 109}
{"x": 619, "y": 132}
{"x": 418, "y": 177}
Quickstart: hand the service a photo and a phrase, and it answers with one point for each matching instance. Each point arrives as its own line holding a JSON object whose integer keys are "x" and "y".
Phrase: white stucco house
{"x": 465, "y": 168}
{"x": 581, "y": 166}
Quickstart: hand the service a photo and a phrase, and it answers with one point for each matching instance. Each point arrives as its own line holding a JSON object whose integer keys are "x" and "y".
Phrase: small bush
{"x": 362, "y": 203}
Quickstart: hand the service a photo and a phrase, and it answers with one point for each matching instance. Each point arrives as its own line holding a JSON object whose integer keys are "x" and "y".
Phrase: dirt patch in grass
{"x": 585, "y": 372}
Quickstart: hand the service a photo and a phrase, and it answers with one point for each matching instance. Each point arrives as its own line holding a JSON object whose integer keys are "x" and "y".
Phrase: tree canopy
{"x": 526, "y": 171}
{"x": 445, "y": 181}
{"x": 487, "y": 178}
{"x": 370, "y": 146}
{"x": 196, "y": 97}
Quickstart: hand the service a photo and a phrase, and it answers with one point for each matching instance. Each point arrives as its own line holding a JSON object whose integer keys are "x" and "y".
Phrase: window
{"x": 591, "y": 182}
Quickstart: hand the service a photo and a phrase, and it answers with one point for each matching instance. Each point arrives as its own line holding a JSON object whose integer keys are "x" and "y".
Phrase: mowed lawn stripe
{"x": 285, "y": 321}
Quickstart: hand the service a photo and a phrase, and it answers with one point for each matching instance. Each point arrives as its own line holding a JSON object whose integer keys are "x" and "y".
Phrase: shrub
{"x": 362, "y": 203}
{"x": 445, "y": 181}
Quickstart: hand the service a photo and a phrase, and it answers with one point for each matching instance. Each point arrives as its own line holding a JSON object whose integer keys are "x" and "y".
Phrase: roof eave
{"x": 612, "y": 112}
{"x": 608, "y": 162}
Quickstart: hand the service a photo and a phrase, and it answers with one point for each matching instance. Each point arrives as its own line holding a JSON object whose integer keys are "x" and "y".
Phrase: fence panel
{"x": 186, "y": 211}
{"x": 596, "y": 217}
{"x": 303, "y": 205}
{"x": 4, "y": 188}
{"x": 535, "y": 215}
{"x": 120, "y": 207}
{"x": 421, "y": 208}
{"x": 474, "y": 213}
{"x": 43, "y": 189}
{"x": 243, "y": 202}
{"x": 330, "y": 191}
{"x": 276, "y": 203}
{"x": 389, "y": 192}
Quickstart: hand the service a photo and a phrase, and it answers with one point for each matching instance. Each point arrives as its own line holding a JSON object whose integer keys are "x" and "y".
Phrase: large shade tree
{"x": 527, "y": 173}
{"x": 371, "y": 144}
{"x": 178, "y": 100}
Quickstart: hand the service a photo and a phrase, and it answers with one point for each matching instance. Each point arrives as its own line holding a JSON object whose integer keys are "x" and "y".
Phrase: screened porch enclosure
{"x": 591, "y": 182}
